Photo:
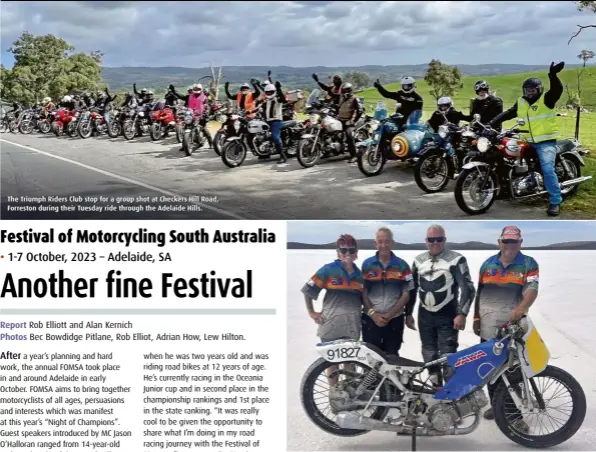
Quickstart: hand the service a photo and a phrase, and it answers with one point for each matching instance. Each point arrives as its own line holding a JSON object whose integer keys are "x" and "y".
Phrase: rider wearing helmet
{"x": 130, "y": 100}
{"x": 538, "y": 110}
{"x": 349, "y": 112}
{"x": 68, "y": 102}
{"x": 87, "y": 101}
{"x": 334, "y": 91}
{"x": 245, "y": 98}
{"x": 143, "y": 96}
{"x": 445, "y": 113}
{"x": 171, "y": 98}
{"x": 196, "y": 100}
{"x": 47, "y": 105}
{"x": 487, "y": 105}
{"x": 410, "y": 103}
{"x": 272, "y": 106}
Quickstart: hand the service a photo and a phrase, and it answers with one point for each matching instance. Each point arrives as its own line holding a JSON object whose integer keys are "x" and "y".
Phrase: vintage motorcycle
{"x": 393, "y": 139}
{"x": 163, "y": 121}
{"x": 323, "y": 136}
{"x": 440, "y": 160}
{"x": 254, "y": 135}
{"x": 91, "y": 121}
{"x": 504, "y": 163}
{"x": 364, "y": 384}
{"x": 137, "y": 124}
{"x": 193, "y": 134}
{"x": 65, "y": 119}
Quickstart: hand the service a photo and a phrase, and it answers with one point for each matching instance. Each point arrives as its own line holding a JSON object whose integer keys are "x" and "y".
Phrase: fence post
{"x": 577, "y": 123}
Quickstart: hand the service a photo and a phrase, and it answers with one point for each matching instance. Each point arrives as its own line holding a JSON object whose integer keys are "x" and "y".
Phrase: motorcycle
{"x": 162, "y": 121}
{"x": 180, "y": 114}
{"x": 193, "y": 134}
{"x": 117, "y": 118}
{"x": 440, "y": 160}
{"x": 220, "y": 137}
{"x": 254, "y": 135}
{"x": 138, "y": 123}
{"x": 44, "y": 125}
{"x": 324, "y": 135}
{"x": 395, "y": 140}
{"x": 27, "y": 121}
{"x": 504, "y": 163}
{"x": 86, "y": 123}
{"x": 64, "y": 119}
{"x": 7, "y": 121}
{"x": 516, "y": 362}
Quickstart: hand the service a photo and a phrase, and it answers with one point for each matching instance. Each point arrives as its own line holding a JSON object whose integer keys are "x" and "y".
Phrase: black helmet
{"x": 481, "y": 85}
{"x": 347, "y": 88}
{"x": 532, "y": 89}
{"x": 337, "y": 80}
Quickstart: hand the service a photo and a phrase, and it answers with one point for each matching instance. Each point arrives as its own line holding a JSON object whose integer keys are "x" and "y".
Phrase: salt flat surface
{"x": 564, "y": 313}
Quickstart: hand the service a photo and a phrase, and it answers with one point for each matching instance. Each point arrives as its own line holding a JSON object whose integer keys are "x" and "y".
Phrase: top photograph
{"x": 298, "y": 110}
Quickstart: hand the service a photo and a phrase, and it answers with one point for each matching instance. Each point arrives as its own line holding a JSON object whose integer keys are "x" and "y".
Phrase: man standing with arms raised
{"x": 443, "y": 282}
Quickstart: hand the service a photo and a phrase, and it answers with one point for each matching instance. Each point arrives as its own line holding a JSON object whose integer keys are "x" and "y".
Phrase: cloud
{"x": 295, "y": 33}
{"x": 536, "y": 233}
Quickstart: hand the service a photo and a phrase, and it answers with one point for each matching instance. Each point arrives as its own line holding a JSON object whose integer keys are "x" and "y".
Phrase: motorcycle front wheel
{"x": 44, "y": 126}
{"x": 26, "y": 127}
{"x": 13, "y": 126}
{"x": 156, "y": 131}
{"x": 85, "y": 129}
{"x": 370, "y": 160}
{"x": 179, "y": 133}
{"x": 128, "y": 129}
{"x": 468, "y": 195}
{"x": 432, "y": 172}
{"x": 188, "y": 142}
{"x": 233, "y": 153}
{"x": 309, "y": 154}
{"x": 72, "y": 129}
{"x": 525, "y": 433}
{"x": 114, "y": 129}
{"x": 323, "y": 382}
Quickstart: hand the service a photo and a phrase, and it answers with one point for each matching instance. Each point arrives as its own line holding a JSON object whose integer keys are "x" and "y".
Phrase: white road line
{"x": 124, "y": 179}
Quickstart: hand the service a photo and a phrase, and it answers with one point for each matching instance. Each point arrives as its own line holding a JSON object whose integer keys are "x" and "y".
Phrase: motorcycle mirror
{"x": 521, "y": 122}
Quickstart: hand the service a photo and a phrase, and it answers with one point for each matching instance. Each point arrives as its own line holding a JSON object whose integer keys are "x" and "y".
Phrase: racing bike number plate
{"x": 535, "y": 354}
{"x": 340, "y": 351}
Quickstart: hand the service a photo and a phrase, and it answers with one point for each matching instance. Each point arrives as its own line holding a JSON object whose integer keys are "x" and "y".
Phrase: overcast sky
{"x": 535, "y": 233}
{"x": 293, "y": 33}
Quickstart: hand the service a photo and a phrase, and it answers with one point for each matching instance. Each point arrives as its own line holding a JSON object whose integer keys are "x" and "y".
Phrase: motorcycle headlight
{"x": 314, "y": 118}
{"x": 188, "y": 119}
{"x": 237, "y": 125}
{"x": 483, "y": 144}
{"x": 443, "y": 131}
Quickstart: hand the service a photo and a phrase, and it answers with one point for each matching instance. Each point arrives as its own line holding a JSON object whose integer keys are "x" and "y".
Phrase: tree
{"x": 581, "y": 6}
{"x": 444, "y": 80}
{"x": 46, "y": 66}
{"x": 357, "y": 79}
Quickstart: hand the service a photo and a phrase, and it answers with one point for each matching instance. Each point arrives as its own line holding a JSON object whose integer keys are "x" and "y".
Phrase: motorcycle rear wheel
{"x": 307, "y": 397}
{"x": 421, "y": 170}
{"x": 460, "y": 191}
{"x": 502, "y": 398}
{"x": 366, "y": 157}
{"x": 234, "y": 149}
{"x": 13, "y": 126}
{"x": 575, "y": 173}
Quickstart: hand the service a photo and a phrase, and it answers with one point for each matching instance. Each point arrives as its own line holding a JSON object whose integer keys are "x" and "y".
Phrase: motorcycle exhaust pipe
{"x": 355, "y": 422}
{"x": 568, "y": 183}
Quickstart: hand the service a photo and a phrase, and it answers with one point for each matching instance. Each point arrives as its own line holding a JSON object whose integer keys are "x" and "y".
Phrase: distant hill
{"x": 368, "y": 244}
{"x": 292, "y": 77}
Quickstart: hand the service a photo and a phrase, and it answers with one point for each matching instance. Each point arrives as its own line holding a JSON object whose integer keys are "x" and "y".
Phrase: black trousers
{"x": 349, "y": 133}
{"x": 437, "y": 335}
{"x": 388, "y": 338}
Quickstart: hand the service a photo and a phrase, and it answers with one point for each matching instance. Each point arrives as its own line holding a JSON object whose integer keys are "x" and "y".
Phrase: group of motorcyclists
{"x": 534, "y": 105}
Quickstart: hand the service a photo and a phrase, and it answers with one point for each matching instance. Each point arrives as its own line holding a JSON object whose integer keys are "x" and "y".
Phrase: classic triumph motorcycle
{"x": 364, "y": 384}
{"x": 506, "y": 163}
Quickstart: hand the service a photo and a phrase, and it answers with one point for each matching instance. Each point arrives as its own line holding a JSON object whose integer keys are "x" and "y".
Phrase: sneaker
{"x": 553, "y": 210}
{"x": 489, "y": 415}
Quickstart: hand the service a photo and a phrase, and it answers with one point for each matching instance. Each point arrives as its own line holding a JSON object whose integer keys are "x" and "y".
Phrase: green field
{"x": 508, "y": 88}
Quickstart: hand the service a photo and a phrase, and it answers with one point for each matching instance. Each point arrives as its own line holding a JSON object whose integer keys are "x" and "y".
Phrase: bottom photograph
{"x": 475, "y": 335}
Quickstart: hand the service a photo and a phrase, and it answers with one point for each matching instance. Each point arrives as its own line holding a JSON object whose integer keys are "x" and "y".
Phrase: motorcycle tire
{"x": 156, "y": 131}
{"x": 13, "y": 127}
{"x": 502, "y": 398}
{"x": 179, "y": 133}
{"x": 365, "y": 155}
{"x": 3, "y": 126}
{"x": 58, "y": 129}
{"x": 458, "y": 191}
{"x": 44, "y": 127}
{"x": 26, "y": 127}
{"x": 419, "y": 168}
{"x": 315, "y": 154}
{"x": 129, "y": 129}
{"x": 307, "y": 390}
{"x": 188, "y": 142}
{"x": 72, "y": 129}
{"x": 85, "y": 129}
{"x": 576, "y": 168}
{"x": 218, "y": 141}
{"x": 233, "y": 147}
{"x": 114, "y": 129}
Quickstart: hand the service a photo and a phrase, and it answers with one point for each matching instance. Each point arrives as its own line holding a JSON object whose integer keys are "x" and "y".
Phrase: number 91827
{"x": 343, "y": 353}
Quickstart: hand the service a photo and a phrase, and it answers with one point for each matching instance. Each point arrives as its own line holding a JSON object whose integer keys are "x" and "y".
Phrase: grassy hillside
{"x": 508, "y": 88}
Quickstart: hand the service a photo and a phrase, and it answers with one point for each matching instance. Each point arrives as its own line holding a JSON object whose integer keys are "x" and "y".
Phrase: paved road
{"x": 257, "y": 190}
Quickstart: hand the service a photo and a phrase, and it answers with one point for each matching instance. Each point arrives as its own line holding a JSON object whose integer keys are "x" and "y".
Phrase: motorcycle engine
{"x": 528, "y": 184}
{"x": 444, "y": 416}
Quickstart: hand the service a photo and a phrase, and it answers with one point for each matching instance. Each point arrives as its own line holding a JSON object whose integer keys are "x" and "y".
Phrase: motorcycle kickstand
{"x": 414, "y": 439}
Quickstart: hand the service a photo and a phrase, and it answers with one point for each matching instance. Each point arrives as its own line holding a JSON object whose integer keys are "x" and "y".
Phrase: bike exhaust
{"x": 568, "y": 183}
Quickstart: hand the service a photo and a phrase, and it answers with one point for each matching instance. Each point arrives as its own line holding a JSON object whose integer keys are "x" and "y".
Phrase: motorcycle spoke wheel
{"x": 234, "y": 153}
{"x": 308, "y": 153}
{"x": 562, "y": 176}
{"x": 434, "y": 172}
{"x": 474, "y": 197}
{"x": 370, "y": 161}
{"x": 3, "y": 127}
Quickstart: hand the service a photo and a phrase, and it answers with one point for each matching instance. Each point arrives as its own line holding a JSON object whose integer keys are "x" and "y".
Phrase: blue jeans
{"x": 414, "y": 117}
{"x": 276, "y": 135}
{"x": 547, "y": 152}
{"x": 106, "y": 117}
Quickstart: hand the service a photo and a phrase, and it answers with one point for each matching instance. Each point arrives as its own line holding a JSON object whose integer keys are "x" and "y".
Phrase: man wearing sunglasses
{"x": 443, "y": 283}
{"x": 507, "y": 287}
{"x": 387, "y": 286}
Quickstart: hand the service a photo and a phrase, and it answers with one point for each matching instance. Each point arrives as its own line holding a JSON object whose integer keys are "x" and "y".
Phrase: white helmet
{"x": 46, "y": 100}
{"x": 269, "y": 90}
{"x": 444, "y": 103}
{"x": 197, "y": 88}
{"x": 245, "y": 87}
{"x": 408, "y": 84}
{"x": 67, "y": 99}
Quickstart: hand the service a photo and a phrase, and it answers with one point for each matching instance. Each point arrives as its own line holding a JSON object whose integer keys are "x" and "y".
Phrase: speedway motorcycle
{"x": 254, "y": 136}
{"x": 324, "y": 136}
{"x": 352, "y": 387}
{"x": 505, "y": 163}
{"x": 440, "y": 160}
{"x": 193, "y": 133}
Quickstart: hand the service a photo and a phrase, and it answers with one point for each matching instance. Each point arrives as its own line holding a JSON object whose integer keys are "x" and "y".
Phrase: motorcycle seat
{"x": 286, "y": 124}
{"x": 564, "y": 145}
{"x": 395, "y": 360}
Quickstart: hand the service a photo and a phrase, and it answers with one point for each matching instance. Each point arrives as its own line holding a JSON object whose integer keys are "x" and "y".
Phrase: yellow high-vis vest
{"x": 542, "y": 121}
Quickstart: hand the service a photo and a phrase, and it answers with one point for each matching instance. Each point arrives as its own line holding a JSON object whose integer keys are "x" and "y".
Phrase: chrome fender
{"x": 472, "y": 165}
{"x": 233, "y": 139}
